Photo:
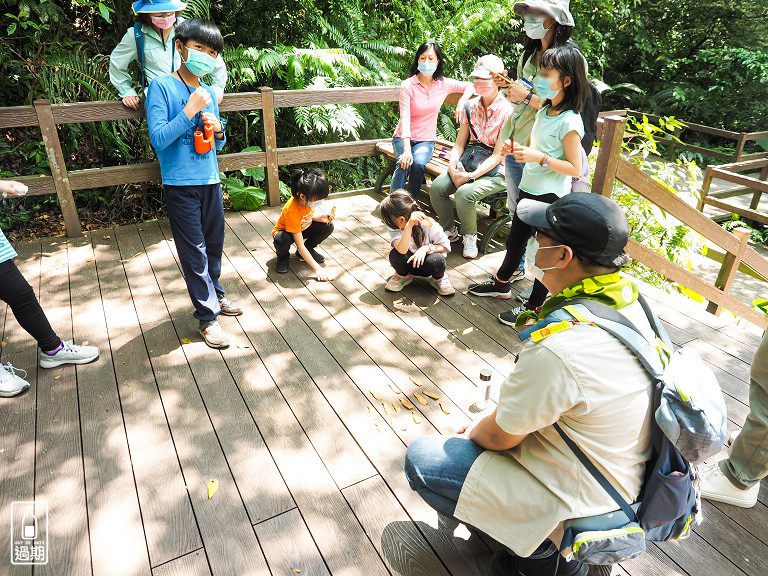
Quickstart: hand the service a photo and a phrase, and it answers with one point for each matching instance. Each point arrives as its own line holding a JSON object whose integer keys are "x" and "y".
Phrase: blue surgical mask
{"x": 427, "y": 68}
{"x": 534, "y": 27}
{"x": 544, "y": 89}
{"x": 199, "y": 63}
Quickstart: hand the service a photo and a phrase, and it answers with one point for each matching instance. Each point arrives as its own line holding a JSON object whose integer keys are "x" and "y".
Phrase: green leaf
{"x": 104, "y": 11}
{"x": 762, "y": 305}
{"x": 12, "y": 29}
{"x": 257, "y": 173}
{"x": 246, "y": 197}
{"x": 285, "y": 192}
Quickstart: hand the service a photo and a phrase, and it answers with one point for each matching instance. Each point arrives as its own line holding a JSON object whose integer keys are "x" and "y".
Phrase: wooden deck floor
{"x": 308, "y": 464}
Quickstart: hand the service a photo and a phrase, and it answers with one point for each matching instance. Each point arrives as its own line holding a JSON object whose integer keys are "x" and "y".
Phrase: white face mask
{"x": 534, "y": 27}
{"x": 530, "y": 258}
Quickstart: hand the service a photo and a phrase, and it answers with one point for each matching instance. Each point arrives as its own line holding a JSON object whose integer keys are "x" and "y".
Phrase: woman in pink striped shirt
{"x": 421, "y": 96}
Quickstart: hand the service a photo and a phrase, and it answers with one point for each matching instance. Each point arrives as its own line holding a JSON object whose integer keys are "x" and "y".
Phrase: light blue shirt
{"x": 547, "y": 136}
{"x": 6, "y": 250}
{"x": 171, "y": 133}
{"x": 160, "y": 57}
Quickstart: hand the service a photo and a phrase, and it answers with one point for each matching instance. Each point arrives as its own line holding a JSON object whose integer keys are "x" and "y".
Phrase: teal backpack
{"x": 689, "y": 426}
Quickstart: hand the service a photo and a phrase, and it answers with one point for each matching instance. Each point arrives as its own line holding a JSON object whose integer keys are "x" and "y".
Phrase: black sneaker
{"x": 319, "y": 258}
{"x": 505, "y": 563}
{"x": 283, "y": 266}
{"x": 492, "y": 288}
{"x": 509, "y": 318}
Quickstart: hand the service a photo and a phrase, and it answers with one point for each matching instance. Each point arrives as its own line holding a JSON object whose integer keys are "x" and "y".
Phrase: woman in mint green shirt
{"x": 553, "y": 158}
{"x": 157, "y": 21}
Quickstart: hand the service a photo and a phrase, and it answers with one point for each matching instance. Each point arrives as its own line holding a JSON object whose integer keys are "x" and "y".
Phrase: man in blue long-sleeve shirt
{"x": 178, "y": 105}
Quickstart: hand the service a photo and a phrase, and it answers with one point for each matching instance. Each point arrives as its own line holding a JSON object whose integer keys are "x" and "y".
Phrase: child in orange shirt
{"x": 298, "y": 223}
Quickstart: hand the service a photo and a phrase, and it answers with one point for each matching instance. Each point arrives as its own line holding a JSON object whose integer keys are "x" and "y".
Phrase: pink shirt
{"x": 487, "y": 122}
{"x": 419, "y": 106}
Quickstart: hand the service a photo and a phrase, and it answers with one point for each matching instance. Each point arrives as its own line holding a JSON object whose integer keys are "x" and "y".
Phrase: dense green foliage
{"x": 703, "y": 60}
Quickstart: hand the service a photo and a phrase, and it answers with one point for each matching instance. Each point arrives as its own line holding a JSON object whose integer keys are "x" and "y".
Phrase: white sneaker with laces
{"x": 70, "y": 353}
{"x": 716, "y": 486}
{"x": 453, "y": 234}
{"x": 11, "y": 383}
{"x": 213, "y": 334}
{"x": 470, "y": 246}
{"x": 396, "y": 282}
{"x": 443, "y": 286}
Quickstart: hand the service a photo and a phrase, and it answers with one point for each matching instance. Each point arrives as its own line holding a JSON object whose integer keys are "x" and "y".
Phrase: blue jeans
{"x": 513, "y": 173}
{"x": 422, "y": 152}
{"x": 436, "y": 468}
{"x": 196, "y": 214}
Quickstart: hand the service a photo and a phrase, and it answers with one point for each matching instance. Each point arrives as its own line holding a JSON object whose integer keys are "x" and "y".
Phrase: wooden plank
{"x": 269, "y": 143}
{"x": 226, "y": 532}
{"x": 81, "y": 112}
{"x": 736, "y": 178}
{"x": 698, "y": 556}
{"x": 744, "y": 165}
{"x": 241, "y": 101}
{"x": 192, "y": 564}
{"x": 345, "y": 460}
{"x": 59, "y": 476}
{"x": 326, "y": 96}
{"x": 258, "y": 480}
{"x": 17, "y": 415}
{"x": 648, "y": 188}
{"x": 375, "y": 437}
{"x": 728, "y": 270}
{"x": 17, "y": 117}
{"x": 38, "y": 184}
{"x": 290, "y": 410}
{"x": 740, "y": 141}
{"x": 169, "y": 523}
{"x": 325, "y": 152}
{"x": 609, "y": 155}
{"x": 289, "y": 547}
{"x": 677, "y": 274}
{"x": 699, "y": 149}
{"x": 398, "y": 541}
{"x": 109, "y": 483}
{"x": 58, "y": 167}
{"x": 744, "y": 212}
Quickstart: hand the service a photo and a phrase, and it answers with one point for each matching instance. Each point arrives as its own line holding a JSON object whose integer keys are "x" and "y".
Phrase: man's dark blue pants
{"x": 197, "y": 221}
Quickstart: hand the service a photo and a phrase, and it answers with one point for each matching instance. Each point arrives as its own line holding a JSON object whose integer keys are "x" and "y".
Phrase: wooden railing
{"x": 611, "y": 165}
{"x": 741, "y": 138}
{"x": 63, "y": 182}
{"x": 734, "y": 173}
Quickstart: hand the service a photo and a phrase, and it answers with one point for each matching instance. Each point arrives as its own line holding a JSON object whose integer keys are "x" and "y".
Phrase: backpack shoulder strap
{"x": 616, "y": 324}
{"x": 597, "y": 475}
{"x": 469, "y": 121}
{"x": 654, "y": 321}
{"x": 138, "y": 35}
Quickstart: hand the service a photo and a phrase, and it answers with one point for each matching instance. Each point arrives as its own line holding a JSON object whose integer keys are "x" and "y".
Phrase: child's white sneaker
{"x": 70, "y": 353}
{"x": 443, "y": 286}
{"x": 716, "y": 486}
{"x": 397, "y": 282}
{"x": 470, "y": 246}
{"x": 11, "y": 383}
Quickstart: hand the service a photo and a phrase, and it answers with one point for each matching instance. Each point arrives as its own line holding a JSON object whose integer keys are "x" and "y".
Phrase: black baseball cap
{"x": 593, "y": 226}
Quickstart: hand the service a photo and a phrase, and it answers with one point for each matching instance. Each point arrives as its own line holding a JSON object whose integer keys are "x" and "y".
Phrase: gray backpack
{"x": 689, "y": 426}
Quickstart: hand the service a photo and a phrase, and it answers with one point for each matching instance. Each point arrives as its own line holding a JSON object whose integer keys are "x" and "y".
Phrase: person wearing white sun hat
{"x": 149, "y": 42}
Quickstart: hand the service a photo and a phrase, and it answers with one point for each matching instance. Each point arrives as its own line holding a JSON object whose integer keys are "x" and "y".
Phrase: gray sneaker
{"x": 70, "y": 353}
{"x": 229, "y": 308}
{"x": 11, "y": 383}
{"x": 213, "y": 334}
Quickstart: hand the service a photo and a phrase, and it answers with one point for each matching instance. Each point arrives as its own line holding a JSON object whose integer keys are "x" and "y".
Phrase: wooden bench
{"x": 497, "y": 202}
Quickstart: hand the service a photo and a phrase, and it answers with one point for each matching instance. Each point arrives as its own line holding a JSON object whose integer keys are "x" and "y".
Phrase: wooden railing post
{"x": 731, "y": 263}
{"x": 705, "y": 184}
{"x": 270, "y": 144}
{"x": 740, "y": 142}
{"x": 58, "y": 167}
{"x": 673, "y": 144}
{"x": 609, "y": 154}
{"x": 755, "y": 203}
